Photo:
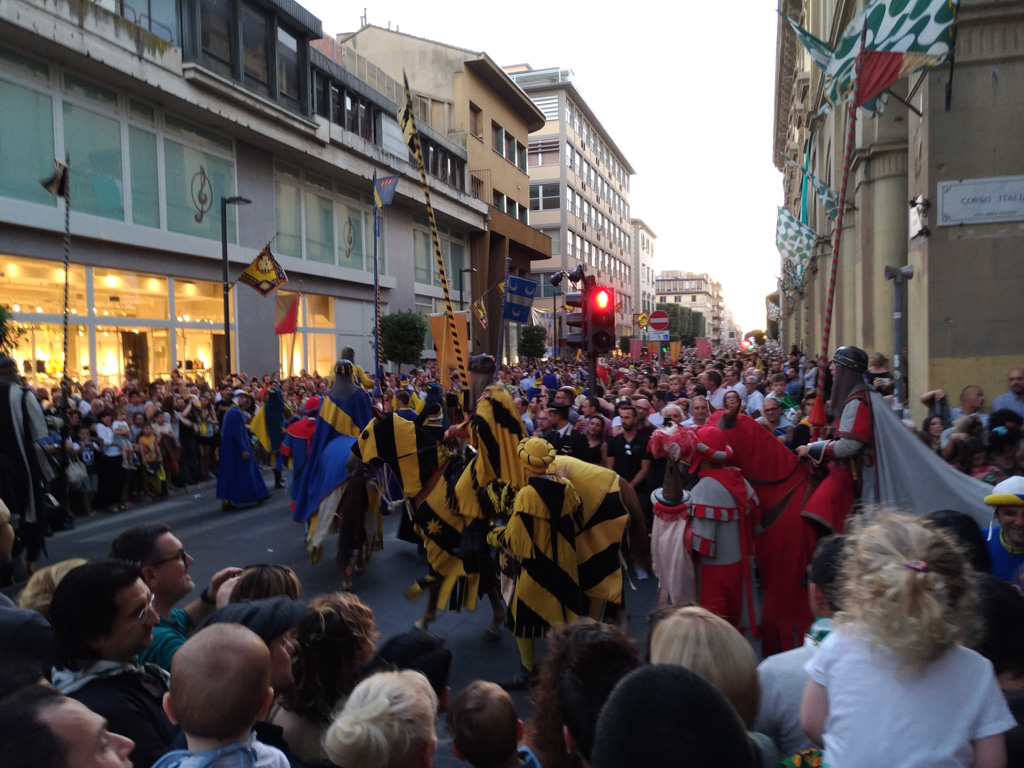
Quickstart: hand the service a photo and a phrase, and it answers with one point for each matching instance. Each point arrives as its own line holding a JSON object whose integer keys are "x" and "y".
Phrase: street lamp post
{"x": 555, "y": 352}
{"x": 462, "y": 298}
{"x": 224, "y": 203}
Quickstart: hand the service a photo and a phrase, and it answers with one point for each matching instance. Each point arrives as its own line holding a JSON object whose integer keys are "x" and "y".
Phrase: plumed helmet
{"x": 854, "y": 358}
{"x": 536, "y": 454}
{"x": 711, "y": 445}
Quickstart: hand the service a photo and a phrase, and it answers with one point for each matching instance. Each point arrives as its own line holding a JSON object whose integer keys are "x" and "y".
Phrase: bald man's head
{"x": 220, "y": 682}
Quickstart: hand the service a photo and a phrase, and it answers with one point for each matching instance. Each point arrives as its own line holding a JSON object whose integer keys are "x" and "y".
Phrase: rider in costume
{"x": 850, "y": 454}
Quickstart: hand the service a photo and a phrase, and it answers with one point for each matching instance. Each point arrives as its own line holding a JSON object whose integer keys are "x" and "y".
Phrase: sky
{"x": 688, "y": 100}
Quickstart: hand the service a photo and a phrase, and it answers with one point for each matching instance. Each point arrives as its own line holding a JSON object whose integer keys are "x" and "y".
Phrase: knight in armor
{"x": 849, "y": 453}
{"x": 358, "y": 374}
{"x": 724, "y": 516}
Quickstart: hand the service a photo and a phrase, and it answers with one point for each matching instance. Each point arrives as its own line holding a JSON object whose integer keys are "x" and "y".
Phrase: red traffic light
{"x": 602, "y": 298}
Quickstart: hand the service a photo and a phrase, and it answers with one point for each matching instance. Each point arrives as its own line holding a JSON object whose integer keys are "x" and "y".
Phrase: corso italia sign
{"x": 981, "y": 201}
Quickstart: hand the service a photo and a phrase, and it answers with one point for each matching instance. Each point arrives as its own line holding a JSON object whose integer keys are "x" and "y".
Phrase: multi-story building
{"x": 696, "y": 291}
{"x": 465, "y": 96}
{"x": 579, "y": 189}
{"x": 165, "y": 116}
{"x": 644, "y": 295}
{"x": 962, "y": 316}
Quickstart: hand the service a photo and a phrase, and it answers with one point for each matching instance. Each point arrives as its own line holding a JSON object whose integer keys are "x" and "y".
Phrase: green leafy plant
{"x": 533, "y": 341}
{"x": 402, "y": 336}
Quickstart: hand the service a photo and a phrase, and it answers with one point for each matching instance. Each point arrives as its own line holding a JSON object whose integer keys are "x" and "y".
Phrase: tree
{"x": 10, "y": 333}
{"x": 402, "y": 336}
{"x": 757, "y": 336}
{"x": 533, "y": 341}
{"x": 624, "y": 344}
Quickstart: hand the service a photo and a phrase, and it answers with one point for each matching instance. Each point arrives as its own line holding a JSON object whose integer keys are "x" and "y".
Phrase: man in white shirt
{"x": 754, "y": 398}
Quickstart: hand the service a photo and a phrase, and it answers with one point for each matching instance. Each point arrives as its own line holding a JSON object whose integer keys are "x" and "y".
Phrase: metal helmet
{"x": 854, "y": 358}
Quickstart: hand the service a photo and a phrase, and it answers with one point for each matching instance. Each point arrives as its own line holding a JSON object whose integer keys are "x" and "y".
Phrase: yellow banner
{"x": 444, "y": 344}
{"x": 674, "y": 347}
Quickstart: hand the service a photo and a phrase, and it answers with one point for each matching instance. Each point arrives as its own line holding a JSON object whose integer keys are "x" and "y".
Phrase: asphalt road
{"x": 266, "y": 534}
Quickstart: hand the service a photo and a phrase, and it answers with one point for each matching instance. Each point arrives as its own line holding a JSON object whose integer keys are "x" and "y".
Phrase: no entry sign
{"x": 658, "y": 321}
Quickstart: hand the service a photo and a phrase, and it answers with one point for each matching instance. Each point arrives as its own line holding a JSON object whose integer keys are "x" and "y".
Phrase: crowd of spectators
{"x": 914, "y": 659}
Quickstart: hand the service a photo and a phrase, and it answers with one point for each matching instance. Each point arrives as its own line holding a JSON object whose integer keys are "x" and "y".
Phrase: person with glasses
{"x": 103, "y": 616}
{"x": 773, "y": 420}
{"x": 164, "y": 565}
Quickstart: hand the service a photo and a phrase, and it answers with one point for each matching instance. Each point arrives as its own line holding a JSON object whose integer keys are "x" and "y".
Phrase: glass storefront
{"x": 315, "y": 341}
{"x": 119, "y": 320}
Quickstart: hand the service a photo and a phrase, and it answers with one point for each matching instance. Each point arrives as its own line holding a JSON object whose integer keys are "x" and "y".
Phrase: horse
{"x": 453, "y": 500}
{"x": 786, "y": 543}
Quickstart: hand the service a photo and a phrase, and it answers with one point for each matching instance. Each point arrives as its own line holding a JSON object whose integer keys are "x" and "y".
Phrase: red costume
{"x": 725, "y": 514}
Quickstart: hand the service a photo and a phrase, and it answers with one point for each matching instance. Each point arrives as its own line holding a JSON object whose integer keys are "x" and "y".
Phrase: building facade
{"x": 161, "y": 119}
{"x": 642, "y": 240}
{"x": 465, "y": 96}
{"x": 699, "y": 292}
{"x": 579, "y": 190}
{"x": 962, "y": 319}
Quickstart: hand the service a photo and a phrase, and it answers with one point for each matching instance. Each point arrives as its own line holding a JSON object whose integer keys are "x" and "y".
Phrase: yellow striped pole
{"x": 407, "y": 119}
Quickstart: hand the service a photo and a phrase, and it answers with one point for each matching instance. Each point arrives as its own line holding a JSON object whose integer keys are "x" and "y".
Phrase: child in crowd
{"x": 123, "y": 439}
{"x": 486, "y": 730}
{"x": 220, "y": 687}
{"x": 890, "y": 685}
{"x": 88, "y": 451}
{"x": 152, "y": 460}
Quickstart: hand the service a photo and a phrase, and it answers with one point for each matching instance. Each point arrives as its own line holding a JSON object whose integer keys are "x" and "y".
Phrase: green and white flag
{"x": 793, "y": 238}
{"x": 828, "y": 196}
{"x": 902, "y": 36}
{"x": 819, "y": 51}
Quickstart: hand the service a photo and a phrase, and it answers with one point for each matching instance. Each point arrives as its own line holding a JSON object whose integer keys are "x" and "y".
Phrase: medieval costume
{"x": 850, "y": 456}
{"x": 725, "y": 515}
{"x": 670, "y": 557}
{"x": 239, "y": 480}
{"x": 546, "y": 516}
{"x": 295, "y": 445}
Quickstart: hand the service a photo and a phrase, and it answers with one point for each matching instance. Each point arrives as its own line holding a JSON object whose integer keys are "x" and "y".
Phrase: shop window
{"x": 198, "y": 350}
{"x": 94, "y": 141}
{"x": 37, "y": 287}
{"x": 26, "y": 142}
{"x": 144, "y": 190}
{"x": 319, "y": 228}
{"x": 38, "y": 351}
{"x": 189, "y": 170}
{"x": 319, "y": 311}
{"x": 197, "y": 301}
{"x": 291, "y": 353}
{"x": 322, "y": 353}
{"x": 287, "y": 202}
{"x": 119, "y": 294}
{"x": 350, "y": 235}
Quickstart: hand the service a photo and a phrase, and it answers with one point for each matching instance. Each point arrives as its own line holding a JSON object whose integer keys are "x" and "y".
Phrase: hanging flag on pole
{"x": 828, "y": 196}
{"x": 901, "y": 38}
{"x": 384, "y": 190}
{"x": 518, "y": 299}
{"x": 794, "y": 239}
{"x": 59, "y": 184}
{"x": 407, "y": 119}
{"x": 480, "y": 311}
{"x": 286, "y": 313}
{"x": 264, "y": 274}
{"x": 819, "y": 51}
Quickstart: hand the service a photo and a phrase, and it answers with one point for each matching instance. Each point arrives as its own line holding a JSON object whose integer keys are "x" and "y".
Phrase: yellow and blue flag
{"x": 384, "y": 190}
{"x": 337, "y": 427}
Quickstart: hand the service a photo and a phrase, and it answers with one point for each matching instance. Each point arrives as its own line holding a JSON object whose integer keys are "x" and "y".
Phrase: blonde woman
{"x": 695, "y": 638}
{"x": 387, "y": 722}
{"x": 890, "y": 685}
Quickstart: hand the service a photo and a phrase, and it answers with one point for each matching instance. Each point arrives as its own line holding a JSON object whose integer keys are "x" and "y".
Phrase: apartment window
{"x": 545, "y": 153}
{"x": 498, "y": 200}
{"x": 544, "y": 197}
{"x": 693, "y": 298}
{"x": 498, "y": 138}
{"x": 677, "y": 299}
{"x": 423, "y": 256}
{"x": 556, "y": 240}
{"x": 232, "y": 27}
{"x": 510, "y": 148}
{"x": 476, "y": 126}
{"x": 520, "y": 156}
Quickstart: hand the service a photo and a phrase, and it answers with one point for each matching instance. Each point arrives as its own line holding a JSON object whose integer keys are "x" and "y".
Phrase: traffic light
{"x": 599, "y": 324}
{"x": 576, "y": 319}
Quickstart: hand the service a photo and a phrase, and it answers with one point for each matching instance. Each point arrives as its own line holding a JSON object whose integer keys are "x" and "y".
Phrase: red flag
{"x": 286, "y": 313}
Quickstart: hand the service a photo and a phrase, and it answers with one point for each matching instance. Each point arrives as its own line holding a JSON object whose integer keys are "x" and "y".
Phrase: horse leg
{"x": 348, "y": 514}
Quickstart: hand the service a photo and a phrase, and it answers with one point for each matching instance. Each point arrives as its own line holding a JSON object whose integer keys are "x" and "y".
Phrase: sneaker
{"x": 642, "y": 575}
{"x": 129, "y": 465}
{"x": 518, "y": 682}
